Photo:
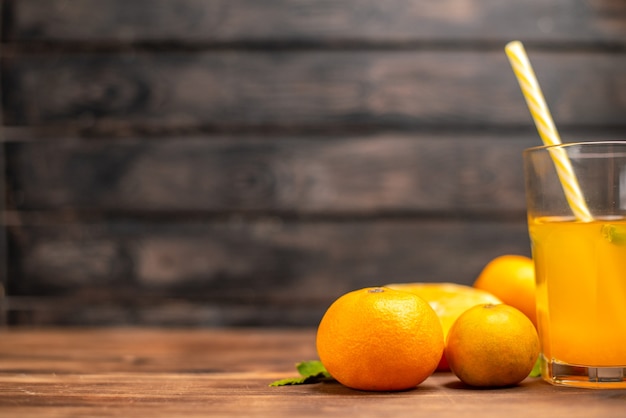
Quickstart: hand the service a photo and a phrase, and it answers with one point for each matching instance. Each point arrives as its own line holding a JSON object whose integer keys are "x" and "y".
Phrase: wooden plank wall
{"x": 245, "y": 162}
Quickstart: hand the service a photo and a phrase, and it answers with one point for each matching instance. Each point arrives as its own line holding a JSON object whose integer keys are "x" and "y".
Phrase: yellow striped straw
{"x": 545, "y": 126}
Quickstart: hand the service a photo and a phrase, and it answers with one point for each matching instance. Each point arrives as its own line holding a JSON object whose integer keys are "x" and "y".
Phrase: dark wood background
{"x": 245, "y": 162}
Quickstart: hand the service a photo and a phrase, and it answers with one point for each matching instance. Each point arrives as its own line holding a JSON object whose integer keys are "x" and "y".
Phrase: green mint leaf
{"x": 615, "y": 234}
{"x": 288, "y": 381}
{"x": 536, "y": 371}
{"x": 312, "y": 371}
{"x": 296, "y": 381}
{"x": 311, "y": 367}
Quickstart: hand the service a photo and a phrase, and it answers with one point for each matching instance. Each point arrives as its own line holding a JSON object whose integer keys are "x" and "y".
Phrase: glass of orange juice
{"x": 580, "y": 263}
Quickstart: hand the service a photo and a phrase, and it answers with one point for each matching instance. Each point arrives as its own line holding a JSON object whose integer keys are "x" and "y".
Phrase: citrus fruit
{"x": 511, "y": 278}
{"x": 492, "y": 346}
{"x": 380, "y": 339}
{"x": 448, "y": 300}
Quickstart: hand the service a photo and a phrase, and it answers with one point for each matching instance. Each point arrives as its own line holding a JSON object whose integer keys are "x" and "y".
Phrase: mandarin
{"x": 449, "y": 301}
{"x": 380, "y": 339}
{"x": 492, "y": 346}
{"x": 511, "y": 278}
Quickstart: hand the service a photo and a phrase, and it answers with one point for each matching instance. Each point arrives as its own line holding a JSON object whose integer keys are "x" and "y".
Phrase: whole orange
{"x": 380, "y": 339}
{"x": 511, "y": 278}
{"x": 492, "y": 346}
{"x": 449, "y": 301}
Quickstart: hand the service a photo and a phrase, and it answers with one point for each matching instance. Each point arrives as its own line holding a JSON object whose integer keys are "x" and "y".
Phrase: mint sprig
{"x": 312, "y": 371}
{"x": 615, "y": 234}
{"x": 536, "y": 371}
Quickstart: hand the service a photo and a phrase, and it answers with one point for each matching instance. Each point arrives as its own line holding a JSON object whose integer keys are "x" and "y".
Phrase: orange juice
{"x": 581, "y": 290}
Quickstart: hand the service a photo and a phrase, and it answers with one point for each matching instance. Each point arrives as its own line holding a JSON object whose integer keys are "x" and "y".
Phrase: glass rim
{"x": 573, "y": 144}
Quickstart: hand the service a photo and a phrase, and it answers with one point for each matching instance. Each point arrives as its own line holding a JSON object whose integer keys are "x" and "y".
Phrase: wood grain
{"x": 145, "y": 350}
{"x": 211, "y": 162}
{"x": 191, "y": 373}
{"x": 409, "y": 89}
{"x": 454, "y": 21}
{"x": 280, "y": 266}
{"x": 368, "y": 175}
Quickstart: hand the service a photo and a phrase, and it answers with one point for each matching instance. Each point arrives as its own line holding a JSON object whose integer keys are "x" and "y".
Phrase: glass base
{"x": 563, "y": 374}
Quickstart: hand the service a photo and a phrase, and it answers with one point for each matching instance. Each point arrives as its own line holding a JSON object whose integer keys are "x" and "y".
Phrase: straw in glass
{"x": 545, "y": 126}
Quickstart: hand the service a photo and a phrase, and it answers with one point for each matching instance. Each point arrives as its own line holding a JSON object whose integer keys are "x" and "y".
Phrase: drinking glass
{"x": 580, "y": 263}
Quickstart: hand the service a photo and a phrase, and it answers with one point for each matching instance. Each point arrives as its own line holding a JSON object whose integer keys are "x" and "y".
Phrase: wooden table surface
{"x": 217, "y": 372}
